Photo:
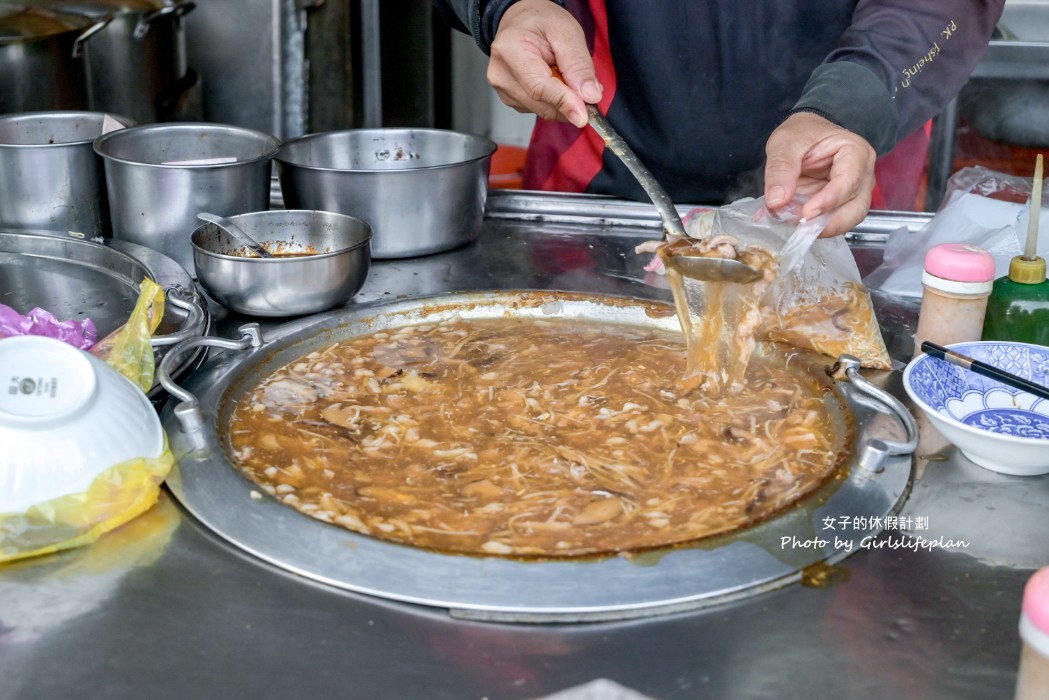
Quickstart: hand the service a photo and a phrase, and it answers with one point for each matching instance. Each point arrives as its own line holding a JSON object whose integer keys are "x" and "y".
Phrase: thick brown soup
{"x": 529, "y": 438}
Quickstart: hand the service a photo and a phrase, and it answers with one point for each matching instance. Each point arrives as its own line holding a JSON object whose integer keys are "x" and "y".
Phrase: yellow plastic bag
{"x": 117, "y": 495}
{"x": 121, "y": 492}
{"x": 128, "y": 349}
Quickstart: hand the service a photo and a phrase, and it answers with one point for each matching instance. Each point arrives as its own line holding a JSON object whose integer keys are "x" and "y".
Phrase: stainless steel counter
{"x": 162, "y": 608}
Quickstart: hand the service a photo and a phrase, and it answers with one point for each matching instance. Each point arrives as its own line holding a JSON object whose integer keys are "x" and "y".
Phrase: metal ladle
{"x": 695, "y": 267}
{"x": 237, "y": 232}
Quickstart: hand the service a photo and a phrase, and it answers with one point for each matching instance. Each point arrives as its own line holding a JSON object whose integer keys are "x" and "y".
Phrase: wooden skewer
{"x": 1036, "y": 209}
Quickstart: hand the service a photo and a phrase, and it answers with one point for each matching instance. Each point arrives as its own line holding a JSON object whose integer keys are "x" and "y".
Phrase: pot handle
{"x": 875, "y": 452}
{"x": 188, "y": 410}
{"x": 90, "y": 32}
{"x": 179, "y": 9}
{"x": 187, "y": 301}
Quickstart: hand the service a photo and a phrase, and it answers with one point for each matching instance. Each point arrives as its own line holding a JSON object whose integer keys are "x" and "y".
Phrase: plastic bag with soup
{"x": 815, "y": 301}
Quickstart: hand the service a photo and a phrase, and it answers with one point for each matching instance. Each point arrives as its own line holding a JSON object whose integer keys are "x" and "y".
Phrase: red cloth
{"x": 562, "y": 157}
{"x": 898, "y": 174}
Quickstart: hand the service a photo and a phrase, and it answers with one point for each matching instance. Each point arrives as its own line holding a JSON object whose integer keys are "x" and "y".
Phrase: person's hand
{"x": 533, "y": 37}
{"x": 828, "y": 166}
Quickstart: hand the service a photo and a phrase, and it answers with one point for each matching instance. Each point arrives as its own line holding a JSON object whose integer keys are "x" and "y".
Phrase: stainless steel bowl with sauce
{"x": 320, "y": 260}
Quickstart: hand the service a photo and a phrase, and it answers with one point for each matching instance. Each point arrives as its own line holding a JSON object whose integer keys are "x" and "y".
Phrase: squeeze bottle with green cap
{"x": 1018, "y": 308}
{"x": 1032, "y": 678}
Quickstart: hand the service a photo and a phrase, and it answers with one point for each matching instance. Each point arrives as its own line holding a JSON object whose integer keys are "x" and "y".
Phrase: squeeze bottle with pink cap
{"x": 957, "y": 280}
{"x": 1032, "y": 678}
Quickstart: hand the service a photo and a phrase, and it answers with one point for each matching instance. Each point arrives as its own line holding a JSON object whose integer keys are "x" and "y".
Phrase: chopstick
{"x": 984, "y": 369}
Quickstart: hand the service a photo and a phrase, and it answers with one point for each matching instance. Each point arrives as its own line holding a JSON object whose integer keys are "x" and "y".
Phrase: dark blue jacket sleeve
{"x": 895, "y": 65}
{"x": 898, "y": 64}
{"x": 463, "y": 15}
{"x": 479, "y": 18}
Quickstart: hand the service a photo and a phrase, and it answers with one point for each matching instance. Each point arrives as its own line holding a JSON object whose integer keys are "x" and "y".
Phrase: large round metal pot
{"x": 137, "y": 59}
{"x": 422, "y": 190}
{"x": 50, "y": 176}
{"x": 160, "y": 176}
{"x": 321, "y": 260}
{"x": 873, "y": 479}
{"x": 41, "y": 63}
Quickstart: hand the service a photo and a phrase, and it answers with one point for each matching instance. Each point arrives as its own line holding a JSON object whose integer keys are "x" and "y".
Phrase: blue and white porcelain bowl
{"x": 998, "y": 427}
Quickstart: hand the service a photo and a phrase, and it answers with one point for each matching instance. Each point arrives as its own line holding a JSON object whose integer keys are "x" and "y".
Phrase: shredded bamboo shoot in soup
{"x": 523, "y": 437}
{"x": 719, "y": 319}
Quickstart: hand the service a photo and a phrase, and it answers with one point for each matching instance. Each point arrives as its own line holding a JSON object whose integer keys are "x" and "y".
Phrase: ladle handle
{"x": 671, "y": 219}
{"x": 237, "y": 232}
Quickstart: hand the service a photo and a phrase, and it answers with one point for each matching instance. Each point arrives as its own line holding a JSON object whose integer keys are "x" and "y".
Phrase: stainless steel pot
{"x": 138, "y": 59}
{"x": 160, "y": 176}
{"x": 422, "y": 190}
{"x": 50, "y": 176}
{"x": 41, "y": 64}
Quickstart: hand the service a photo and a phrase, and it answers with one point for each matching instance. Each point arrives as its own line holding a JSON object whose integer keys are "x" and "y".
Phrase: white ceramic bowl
{"x": 65, "y": 417}
{"x": 998, "y": 427}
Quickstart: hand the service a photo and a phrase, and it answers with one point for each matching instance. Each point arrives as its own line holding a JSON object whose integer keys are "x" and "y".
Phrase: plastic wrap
{"x": 981, "y": 207}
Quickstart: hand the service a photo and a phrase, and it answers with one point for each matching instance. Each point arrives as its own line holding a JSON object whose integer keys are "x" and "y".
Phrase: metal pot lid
{"x": 101, "y": 8}
{"x": 714, "y": 570}
{"x": 20, "y": 22}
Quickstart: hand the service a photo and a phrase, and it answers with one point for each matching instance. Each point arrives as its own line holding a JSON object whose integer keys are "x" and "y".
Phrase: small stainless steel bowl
{"x": 321, "y": 260}
{"x": 422, "y": 191}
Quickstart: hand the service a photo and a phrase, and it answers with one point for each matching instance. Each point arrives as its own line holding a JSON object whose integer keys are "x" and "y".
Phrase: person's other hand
{"x": 828, "y": 166}
{"x": 533, "y": 37}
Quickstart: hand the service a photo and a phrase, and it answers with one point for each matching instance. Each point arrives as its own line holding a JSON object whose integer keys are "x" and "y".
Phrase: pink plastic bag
{"x": 81, "y": 334}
